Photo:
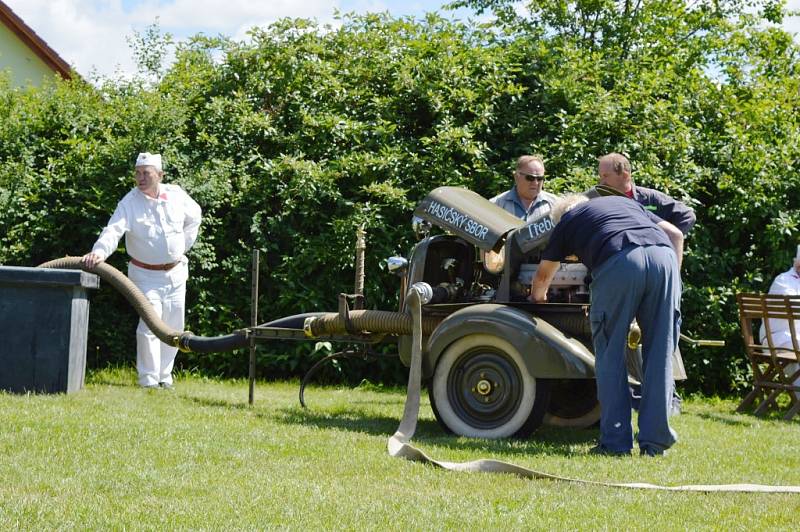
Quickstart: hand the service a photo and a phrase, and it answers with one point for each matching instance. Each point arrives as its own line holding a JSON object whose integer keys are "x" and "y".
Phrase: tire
{"x": 482, "y": 389}
{"x": 435, "y": 410}
{"x": 573, "y": 404}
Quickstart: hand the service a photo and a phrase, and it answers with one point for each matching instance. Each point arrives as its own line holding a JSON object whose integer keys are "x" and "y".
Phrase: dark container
{"x": 44, "y": 320}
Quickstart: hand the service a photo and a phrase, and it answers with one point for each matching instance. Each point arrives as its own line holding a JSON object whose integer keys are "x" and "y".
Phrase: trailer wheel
{"x": 481, "y": 389}
{"x": 435, "y": 410}
{"x": 573, "y": 404}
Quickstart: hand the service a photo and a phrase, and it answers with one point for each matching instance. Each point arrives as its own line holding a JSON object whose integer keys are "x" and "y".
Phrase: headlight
{"x": 397, "y": 265}
{"x": 494, "y": 262}
{"x": 420, "y": 227}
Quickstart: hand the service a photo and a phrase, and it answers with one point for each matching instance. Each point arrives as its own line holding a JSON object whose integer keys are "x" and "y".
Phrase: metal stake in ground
{"x": 253, "y": 323}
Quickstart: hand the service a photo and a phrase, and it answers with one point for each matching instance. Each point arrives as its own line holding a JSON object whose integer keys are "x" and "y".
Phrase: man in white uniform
{"x": 160, "y": 223}
{"x": 785, "y": 284}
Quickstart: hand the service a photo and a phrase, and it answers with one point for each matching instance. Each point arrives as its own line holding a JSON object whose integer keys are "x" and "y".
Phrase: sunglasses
{"x": 532, "y": 177}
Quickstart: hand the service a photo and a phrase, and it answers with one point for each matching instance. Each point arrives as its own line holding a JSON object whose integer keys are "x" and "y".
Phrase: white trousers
{"x": 166, "y": 291}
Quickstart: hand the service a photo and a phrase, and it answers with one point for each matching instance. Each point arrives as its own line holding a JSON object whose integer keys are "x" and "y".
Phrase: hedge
{"x": 293, "y": 139}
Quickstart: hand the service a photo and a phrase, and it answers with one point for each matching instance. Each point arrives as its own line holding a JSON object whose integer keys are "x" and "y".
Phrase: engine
{"x": 570, "y": 283}
{"x": 486, "y": 253}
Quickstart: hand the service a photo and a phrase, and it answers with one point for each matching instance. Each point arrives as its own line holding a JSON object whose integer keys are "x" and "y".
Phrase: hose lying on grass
{"x": 399, "y": 445}
{"x": 372, "y": 321}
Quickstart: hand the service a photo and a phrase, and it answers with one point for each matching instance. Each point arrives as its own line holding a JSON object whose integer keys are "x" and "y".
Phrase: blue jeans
{"x": 641, "y": 282}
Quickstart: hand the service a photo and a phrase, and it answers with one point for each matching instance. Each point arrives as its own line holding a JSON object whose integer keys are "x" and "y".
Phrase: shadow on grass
{"x": 221, "y": 403}
{"x": 387, "y": 401}
{"x": 734, "y": 420}
{"x": 115, "y": 384}
{"x": 355, "y": 418}
{"x": 548, "y": 440}
{"x": 746, "y": 419}
{"x": 103, "y": 381}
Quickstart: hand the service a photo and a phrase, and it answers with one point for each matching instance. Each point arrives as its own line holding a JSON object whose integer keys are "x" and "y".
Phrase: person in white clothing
{"x": 787, "y": 284}
{"x": 160, "y": 223}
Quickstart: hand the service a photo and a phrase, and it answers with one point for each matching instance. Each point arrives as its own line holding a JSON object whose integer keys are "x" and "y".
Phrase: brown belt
{"x": 155, "y": 267}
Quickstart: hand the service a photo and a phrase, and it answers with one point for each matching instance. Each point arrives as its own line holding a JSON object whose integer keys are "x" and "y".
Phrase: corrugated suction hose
{"x": 375, "y": 321}
{"x": 183, "y": 340}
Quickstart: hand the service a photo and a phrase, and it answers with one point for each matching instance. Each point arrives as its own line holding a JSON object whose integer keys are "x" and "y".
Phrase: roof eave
{"x": 35, "y": 43}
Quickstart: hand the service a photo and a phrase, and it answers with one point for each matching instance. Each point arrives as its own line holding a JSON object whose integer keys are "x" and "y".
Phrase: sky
{"x": 92, "y": 35}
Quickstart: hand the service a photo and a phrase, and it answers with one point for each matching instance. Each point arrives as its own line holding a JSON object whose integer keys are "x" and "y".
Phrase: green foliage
{"x": 702, "y": 96}
{"x": 293, "y": 139}
{"x": 150, "y": 50}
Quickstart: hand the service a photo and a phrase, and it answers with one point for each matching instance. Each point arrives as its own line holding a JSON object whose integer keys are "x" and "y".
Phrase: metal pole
{"x": 361, "y": 246}
{"x": 253, "y": 323}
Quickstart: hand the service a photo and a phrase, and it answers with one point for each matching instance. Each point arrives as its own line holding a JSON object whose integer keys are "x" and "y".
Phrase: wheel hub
{"x": 484, "y": 388}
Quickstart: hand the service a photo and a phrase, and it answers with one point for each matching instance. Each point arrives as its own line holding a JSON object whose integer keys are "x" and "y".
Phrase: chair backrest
{"x": 766, "y": 307}
{"x": 773, "y": 372}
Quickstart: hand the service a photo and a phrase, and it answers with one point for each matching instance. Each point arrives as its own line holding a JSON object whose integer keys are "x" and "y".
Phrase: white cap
{"x": 149, "y": 159}
{"x": 797, "y": 255}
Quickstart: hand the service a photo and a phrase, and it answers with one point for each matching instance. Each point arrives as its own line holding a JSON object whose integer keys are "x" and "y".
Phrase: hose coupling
{"x": 634, "y": 336}
{"x": 182, "y": 341}
{"x": 308, "y": 327}
{"x": 424, "y": 290}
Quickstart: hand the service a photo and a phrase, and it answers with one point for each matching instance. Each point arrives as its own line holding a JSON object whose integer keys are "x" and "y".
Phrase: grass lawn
{"x": 114, "y": 456}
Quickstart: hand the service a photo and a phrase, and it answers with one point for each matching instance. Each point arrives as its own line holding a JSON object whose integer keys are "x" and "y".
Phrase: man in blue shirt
{"x": 527, "y": 199}
{"x": 614, "y": 170}
{"x": 634, "y": 258}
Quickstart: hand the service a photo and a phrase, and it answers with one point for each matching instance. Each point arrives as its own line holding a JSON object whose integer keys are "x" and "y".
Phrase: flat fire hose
{"x": 399, "y": 445}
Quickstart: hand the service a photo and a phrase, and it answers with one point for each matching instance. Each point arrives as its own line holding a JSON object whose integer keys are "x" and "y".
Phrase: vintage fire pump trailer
{"x": 496, "y": 365}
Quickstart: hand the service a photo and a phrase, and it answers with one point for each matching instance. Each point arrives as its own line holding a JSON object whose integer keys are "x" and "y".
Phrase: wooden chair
{"x": 769, "y": 362}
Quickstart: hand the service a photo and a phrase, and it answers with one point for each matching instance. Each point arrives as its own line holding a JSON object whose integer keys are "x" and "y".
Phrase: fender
{"x": 548, "y": 353}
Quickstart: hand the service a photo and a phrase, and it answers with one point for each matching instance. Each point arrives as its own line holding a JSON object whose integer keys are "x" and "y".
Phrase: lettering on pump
{"x": 460, "y": 221}
{"x": 535, "y": 230}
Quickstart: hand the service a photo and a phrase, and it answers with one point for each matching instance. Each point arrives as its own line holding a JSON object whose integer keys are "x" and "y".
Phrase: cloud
{"x": 223, "y": 16}
{"x": 792, "y": 24}
{"x": 92, "y": 34}
{"x": 81, "y": 36}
